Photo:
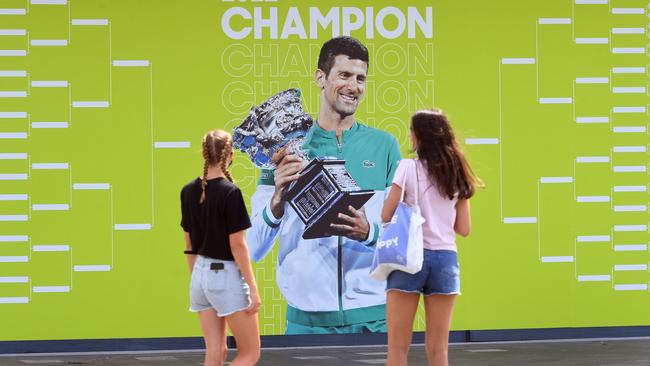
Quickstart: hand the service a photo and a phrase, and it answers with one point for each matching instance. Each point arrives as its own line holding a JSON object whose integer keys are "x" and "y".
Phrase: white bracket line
{"x": 13, "y": 197}
{"x": 594, "y": 239}
{"x": 628, "y": 70}
{"x": 92, "y": 268}
{"x": 555, "y": 180}
{"x": 90, "y": 104}
{"x": 592, "y": 80}
{"x": 592, "y": 40}
{"x": 14, "y": 300}
{"x": 13, "y": 53}
{"x": 172, "y": 144}
{"x": 48, "y": 2}
{"x": 13, "y": 177}
{"x": 13, "y": 11}
{"x": 630, "y": 228}
{"x": 91, "y": 186}
{"x": 50, "y": 166}
{"x": 592, "y": 159}
{"x": 628, "y": 11}
{"x": 520, "y": 220}
{"x": 630, "y": 267}
{"x": 49, "y": 84}
{"x": 50, "y": 207}
{"x": 125, "y": 227}
{"x": 592, "y": 119}
{"x": 631, "y": 208}
{"x": 631, "y": 287}
{"x": 50, "y": 289}
{"x": 51, "y": 248}
{"x": 630, "y": 188}
{"x": 131, "y": 63}
{"x": 631, "y": 248}
{"x": 90, "y": 22}
{"x": 629, "y": 129}
{"x": 13, "y": 73}
{"x": 594, "y": 278}
{"x": 14, "y": 279}
{"x": 628, "y": 31}
{"x": 14, "y": 238}
{"x": 49, "y": 42}
{"x": 50, "y": 125}
{"x": 562, "y": 100}
{"x": 558, "y": 259}
{"x": 587, "y": 199}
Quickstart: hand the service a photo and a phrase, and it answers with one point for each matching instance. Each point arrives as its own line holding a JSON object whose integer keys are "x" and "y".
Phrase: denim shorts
{"x": 440, "y": 275}
{"x": 223, "y": 290}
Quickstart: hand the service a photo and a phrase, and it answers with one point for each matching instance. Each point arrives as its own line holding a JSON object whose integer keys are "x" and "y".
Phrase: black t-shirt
{"x": 210, "y": 223}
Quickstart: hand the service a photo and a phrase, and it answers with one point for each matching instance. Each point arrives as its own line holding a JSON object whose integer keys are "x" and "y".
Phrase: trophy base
{"x": 320, "y": 228}
{"x": 325, "y": 189}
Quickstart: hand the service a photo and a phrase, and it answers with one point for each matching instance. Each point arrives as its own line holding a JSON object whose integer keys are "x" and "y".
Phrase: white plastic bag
{"x": 400, "y": 246}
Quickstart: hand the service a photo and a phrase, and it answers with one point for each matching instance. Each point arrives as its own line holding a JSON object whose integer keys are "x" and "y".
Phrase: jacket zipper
{"x": 339, "y": 145}
{"x": 340, "y": 281}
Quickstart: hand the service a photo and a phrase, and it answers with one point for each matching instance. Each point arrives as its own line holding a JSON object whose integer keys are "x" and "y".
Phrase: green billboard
{"x": 103, "y": 105}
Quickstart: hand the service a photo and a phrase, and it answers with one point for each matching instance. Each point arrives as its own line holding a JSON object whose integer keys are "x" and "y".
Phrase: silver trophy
{"x": 325, "y": 187}
{"x": 278, "y": 124}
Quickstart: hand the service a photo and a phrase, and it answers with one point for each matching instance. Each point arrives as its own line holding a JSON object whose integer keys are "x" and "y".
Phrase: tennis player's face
{"x": 345, "y": 85}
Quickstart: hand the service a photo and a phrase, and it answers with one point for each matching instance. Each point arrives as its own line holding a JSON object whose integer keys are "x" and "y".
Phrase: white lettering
{"x": 225, "y": 23}
{"x": 293, "y": 25}
{"x": 271, "y": 22}
{"x": 348, "y": 25}
{"x": 316, "y": 18}
{"x": 370, "y": 30}
{"x": 426, "y": 26}
{"x": 387, "y": 243}
{"x": 401, "y": 22}
{"x": 344, "y": 20}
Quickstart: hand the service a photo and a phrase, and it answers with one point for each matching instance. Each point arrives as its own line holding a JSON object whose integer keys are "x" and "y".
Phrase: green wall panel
{"x": 103, "y": 105}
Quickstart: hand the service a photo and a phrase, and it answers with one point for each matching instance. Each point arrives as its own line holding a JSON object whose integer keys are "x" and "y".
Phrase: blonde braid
{"x": 206, "y": 163}
{"x": 217, "y": 145}
{"x": 222, "y": 160}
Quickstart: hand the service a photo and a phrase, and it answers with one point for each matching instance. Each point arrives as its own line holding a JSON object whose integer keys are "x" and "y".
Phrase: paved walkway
{"x": 627, "y": 352}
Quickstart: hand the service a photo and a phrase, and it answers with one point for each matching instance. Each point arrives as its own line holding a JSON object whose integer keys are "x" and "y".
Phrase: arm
{"x": 185, "y": 224}
{"x": 286, "y": 172}
{"x": 240, "y": 252}
{"x": 390, "y": 205}
{"x": 264, "y": 226}
{"x": 463, "y": 222}
{"x": 356, "y": 225}
{"x": 191, "y": 258}
{"x": 268, "y": 208}
{"x": 398, "y": 177}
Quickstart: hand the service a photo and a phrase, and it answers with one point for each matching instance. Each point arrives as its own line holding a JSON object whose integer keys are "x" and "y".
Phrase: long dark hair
{"x": 445, "y": 161}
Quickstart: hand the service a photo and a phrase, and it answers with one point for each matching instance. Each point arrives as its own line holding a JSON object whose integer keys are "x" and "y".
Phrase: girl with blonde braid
{"x": 223, "y": 288}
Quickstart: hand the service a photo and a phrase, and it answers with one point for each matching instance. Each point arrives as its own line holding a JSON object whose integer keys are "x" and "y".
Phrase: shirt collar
{"x": 318, "y": 131}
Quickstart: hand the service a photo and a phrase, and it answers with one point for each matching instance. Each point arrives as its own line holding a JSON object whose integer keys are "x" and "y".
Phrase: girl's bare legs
{"x": 214, "y": 334}
{"x": 438, "y": 309}
{"x": 400, "y": 311}
{"x": 245, "y": 328}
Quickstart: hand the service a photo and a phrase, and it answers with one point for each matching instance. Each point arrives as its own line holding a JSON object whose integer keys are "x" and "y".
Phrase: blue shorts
{"x": 224, "y": 290}
{"x": 440, "y": 275}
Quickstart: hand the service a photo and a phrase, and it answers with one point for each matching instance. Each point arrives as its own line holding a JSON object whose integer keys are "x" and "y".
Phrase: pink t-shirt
{"x": 438, "y": 211}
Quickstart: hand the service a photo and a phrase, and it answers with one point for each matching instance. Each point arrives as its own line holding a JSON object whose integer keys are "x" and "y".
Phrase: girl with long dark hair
{"x": 445, "y": 183}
